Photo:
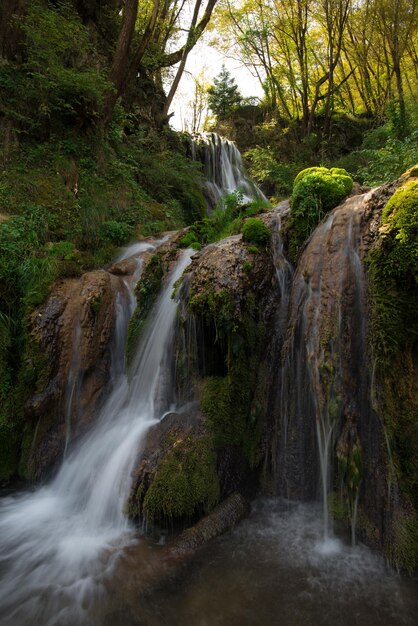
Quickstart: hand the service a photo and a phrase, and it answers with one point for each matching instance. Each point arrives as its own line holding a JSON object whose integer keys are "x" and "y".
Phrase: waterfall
{"x": 58, "y": 542}
{"x": 224, "y": 170}
{"x": 323, "y": 390}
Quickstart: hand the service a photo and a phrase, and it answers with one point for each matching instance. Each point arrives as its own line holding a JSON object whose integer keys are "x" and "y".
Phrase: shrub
{"x": 255, "y": 231}
{"x": 276, "y": 177}
{"x": 115, "y": 232}
{"x": 316, "y": 191}
{"x": 189, "y": 239}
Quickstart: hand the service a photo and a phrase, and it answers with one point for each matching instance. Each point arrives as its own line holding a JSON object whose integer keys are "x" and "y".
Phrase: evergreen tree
{"x": 224, "y": 94}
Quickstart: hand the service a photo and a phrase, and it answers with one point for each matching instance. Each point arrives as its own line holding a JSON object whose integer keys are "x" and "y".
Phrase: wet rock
{"x": 224, "y": 517}
{"x": 141, "y": 571}
{"x": 74, "y": 329}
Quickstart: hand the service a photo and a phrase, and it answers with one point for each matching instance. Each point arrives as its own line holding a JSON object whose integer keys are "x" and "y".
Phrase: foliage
{"x": 59, "y": 80}
{"x": 389, "y": 161}
{"x": 185, "y": 482}
{"x": 115, "y": 232}
{"x": 255, "y": 231}
{"x": 226, "y": 219}
{"x": 275, "y": 176}
{"x": 224, "y": 95}
{"x": 316, "y": 191}
{"x": 316, "y": 60}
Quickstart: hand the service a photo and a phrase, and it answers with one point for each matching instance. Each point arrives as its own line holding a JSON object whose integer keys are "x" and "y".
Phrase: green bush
{"x": 308, "y": 171}
{"x": 115, "y": 232}
{"x": 255, "y": 231}
{"x": 189, "y": 239}
{"x": 316, "y": 191}
{"x": 276, "y": 177}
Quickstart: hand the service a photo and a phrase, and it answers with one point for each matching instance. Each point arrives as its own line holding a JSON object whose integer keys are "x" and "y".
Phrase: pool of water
{"x": 275, "y": 568}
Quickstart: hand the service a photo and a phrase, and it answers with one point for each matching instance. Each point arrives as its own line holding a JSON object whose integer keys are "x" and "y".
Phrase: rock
{"x": 224, "y": 517}
{"x": 140, "y": 571}
{"x": 74, "y": 329}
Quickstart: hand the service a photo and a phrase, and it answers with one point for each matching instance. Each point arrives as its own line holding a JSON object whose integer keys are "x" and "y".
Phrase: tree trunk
{"x": 120, "y": 63}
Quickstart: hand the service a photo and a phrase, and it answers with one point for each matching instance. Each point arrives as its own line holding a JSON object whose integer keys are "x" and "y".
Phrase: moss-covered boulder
{"x": 176, "y": 478}
{"x": 316, "y": 190}
{"x": 232, "y": 302}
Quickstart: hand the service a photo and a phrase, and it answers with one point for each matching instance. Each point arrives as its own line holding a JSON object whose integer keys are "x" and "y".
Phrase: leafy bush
{"x": 115, "y": 232}
{"x": 388, "y": 162}
{"x": 316, "y": 191}
{"x": 266, "y": 170}
{"x": 190, "y": 240}
{"x": 255, "y": 231}
{"x": 226, "y": 220}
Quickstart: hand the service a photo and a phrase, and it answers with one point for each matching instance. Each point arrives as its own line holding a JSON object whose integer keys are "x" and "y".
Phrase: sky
{"x": 206, "y": 58}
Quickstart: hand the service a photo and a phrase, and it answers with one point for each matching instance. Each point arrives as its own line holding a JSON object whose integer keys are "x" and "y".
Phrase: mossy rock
{"x": 316, "y": 191}
{"x": 404, "y": 548}
{"x": 392, "y": 265}
{"x": 256, "y": 232}
{"x": 185, "y": 481}
{"x": 146, "y": 294}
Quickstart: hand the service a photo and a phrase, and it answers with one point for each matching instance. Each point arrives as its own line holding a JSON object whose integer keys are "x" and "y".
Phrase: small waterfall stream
{"x": 58, "y": 542}
{"x": 323, "y": 377}
{"x": 224, "y": 170}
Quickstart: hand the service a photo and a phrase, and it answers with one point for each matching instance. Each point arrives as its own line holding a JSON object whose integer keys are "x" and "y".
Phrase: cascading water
{"x": 323, "y": 381}
{"x": 59, "y": 542}
{"x": 224, "y": 170}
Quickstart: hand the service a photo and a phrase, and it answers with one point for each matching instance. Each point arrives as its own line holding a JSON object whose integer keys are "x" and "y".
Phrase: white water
{"x": 58, "y": 542}
{"x": 224, "y": 170}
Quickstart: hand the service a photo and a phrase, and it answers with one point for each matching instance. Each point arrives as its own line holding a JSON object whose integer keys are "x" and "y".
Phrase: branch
{"x": 175, "y": 57}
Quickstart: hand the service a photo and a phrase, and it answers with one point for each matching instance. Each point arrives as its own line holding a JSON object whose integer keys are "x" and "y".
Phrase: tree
{"x": 224, "y": 94}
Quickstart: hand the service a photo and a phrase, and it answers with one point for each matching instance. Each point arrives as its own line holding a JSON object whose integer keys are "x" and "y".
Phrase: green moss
{"x": 146, "y": 294}
{"x": 232, "y": 403}
{"x": 256, "y": 232}
{"x": 393, "y": 271}
{"x": 404, "y": 548}
{"x": 95, "y": 305}
{"x": 216, "y": 306}
{"x": 9, "y": 448}
{"x": 185, "y": 482}
{"x": 316, "y": 191}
